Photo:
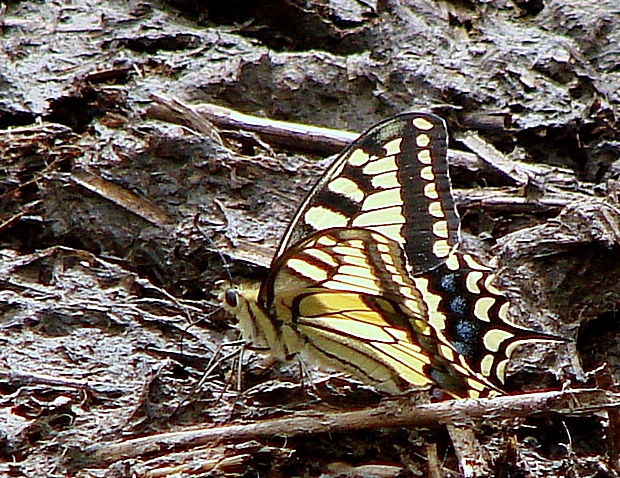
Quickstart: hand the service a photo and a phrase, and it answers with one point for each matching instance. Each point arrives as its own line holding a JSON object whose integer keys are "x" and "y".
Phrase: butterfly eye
{"x": 231, "y": 297}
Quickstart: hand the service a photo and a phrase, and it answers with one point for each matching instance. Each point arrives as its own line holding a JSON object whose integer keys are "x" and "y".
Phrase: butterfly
{"x": 369, "y": 278}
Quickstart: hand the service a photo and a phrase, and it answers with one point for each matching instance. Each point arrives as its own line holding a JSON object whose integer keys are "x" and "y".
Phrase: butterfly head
{"x": 241, "y": 301}
{"x": 257, "y": 329}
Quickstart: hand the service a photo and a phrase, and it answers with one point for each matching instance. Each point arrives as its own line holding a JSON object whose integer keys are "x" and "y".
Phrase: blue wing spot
{"x": 465, "y": 337}
{"x": 448, "y": 282}
{"x": 458, "y": 305}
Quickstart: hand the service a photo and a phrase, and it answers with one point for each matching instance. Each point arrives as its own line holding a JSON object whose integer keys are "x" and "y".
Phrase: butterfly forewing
{"x": 394, "y": 180}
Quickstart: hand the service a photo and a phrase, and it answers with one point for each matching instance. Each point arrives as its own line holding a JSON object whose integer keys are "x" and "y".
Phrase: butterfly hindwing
{"x": 472, "y": 316}
{"x": 394, "y": 180}
{"x": 344, "y": 296}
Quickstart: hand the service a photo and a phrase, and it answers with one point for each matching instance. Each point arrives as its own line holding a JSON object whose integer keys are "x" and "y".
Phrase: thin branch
{"x": 330, "y": 141}
{"x": 122, "y": 197}
{"x": 311, "y": 138}
{"x": 400, "y": 413}
{"x": 488, "y": 199}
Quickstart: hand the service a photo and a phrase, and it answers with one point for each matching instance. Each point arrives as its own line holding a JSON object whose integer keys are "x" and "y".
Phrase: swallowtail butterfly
{"x": 369, "y": 278}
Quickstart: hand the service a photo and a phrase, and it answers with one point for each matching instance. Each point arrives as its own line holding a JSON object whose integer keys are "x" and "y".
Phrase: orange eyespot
{"x": 230, "y": 296}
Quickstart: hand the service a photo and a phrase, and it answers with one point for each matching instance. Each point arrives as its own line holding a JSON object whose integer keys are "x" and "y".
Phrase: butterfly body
{"x": 369, "y": 279}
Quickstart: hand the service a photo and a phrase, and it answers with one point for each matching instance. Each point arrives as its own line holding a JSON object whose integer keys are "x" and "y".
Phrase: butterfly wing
{"x": 393, "y": 180}
{"x": 344, "y": 297}
{"x": 470, "y": 315}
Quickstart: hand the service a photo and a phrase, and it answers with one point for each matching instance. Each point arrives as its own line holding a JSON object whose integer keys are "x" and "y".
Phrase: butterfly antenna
{"x": 225, "y": 264}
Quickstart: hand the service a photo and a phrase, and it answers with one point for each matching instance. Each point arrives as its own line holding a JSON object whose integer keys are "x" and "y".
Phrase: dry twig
{"x": 399, "y": 413}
